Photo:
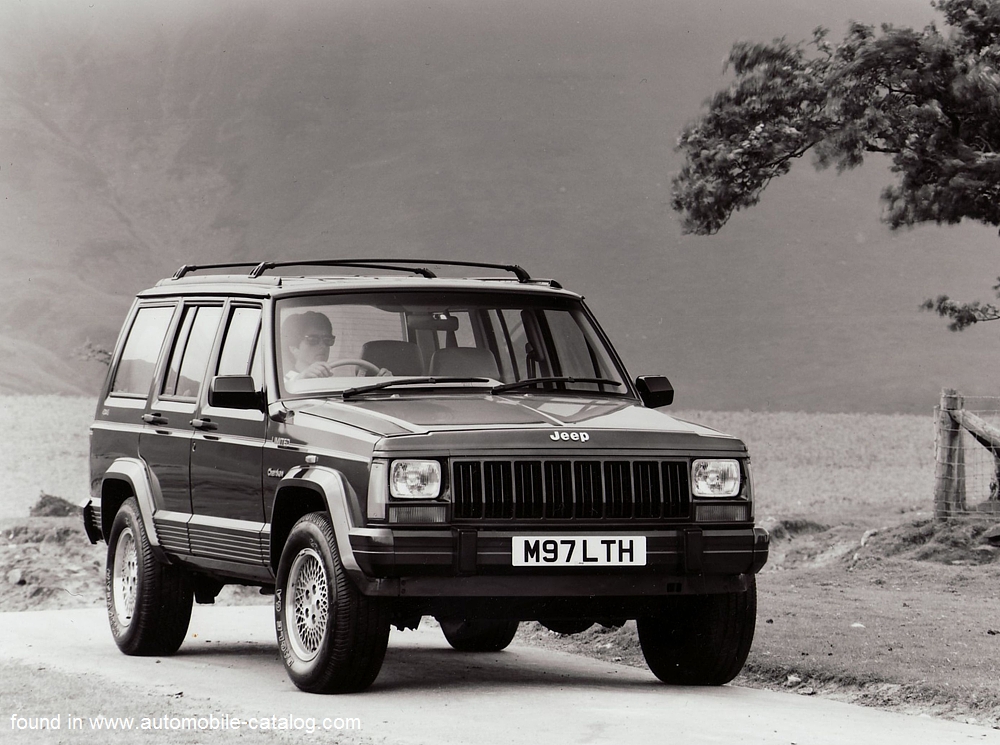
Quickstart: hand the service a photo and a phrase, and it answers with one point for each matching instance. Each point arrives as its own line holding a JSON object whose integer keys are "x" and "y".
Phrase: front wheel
{"x": 332, "y": 638}
{"x": 478, "y": 634}
{"x": 149, "y": 603}
{"x": 700, "y": 639}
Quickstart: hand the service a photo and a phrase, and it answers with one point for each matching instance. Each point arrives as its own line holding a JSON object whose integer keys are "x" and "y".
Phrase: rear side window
{"x": 189, "y": 358}
{"x": 142, "y": 348}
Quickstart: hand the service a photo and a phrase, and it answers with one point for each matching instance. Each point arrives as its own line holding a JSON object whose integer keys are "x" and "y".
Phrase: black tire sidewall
{"x": 305, "y": 534}
{"x": 127, "y": 637}
{"x": 700, "y": 639}
{"x": 163, "y": 592}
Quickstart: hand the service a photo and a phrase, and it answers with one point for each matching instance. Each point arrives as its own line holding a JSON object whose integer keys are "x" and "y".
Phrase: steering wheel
{"x": 365, "y": 365}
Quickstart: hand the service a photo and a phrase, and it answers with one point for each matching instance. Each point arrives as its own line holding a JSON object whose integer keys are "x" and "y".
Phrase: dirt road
{"x": 229, "y": 668}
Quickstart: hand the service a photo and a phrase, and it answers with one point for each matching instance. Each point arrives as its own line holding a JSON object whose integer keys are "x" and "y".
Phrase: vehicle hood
{"x": 506, "y": 421}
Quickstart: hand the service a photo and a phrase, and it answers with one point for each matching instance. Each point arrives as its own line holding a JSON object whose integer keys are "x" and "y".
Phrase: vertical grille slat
{"x": 591, "y": 490}
{"x": 529, "y": 494}
{"x": 619, "y": 498}
{"x": 498, "y": 490}
{"x": 648, "y": 489}
{"x": 676, "y": 497}
{"x": 558, "y": 489}
{"x": 588, "y": 489}
{"x": 467, "y": 489}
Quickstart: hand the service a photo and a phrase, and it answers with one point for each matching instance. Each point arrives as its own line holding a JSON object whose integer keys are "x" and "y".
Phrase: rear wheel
{"x": 332, "y": 638}
{"x": 149, "y": 603}
{"x": 478, "y": 634}
{"x": 700, "y": 639}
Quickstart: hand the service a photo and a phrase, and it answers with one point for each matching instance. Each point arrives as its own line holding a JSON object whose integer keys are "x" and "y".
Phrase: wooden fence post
{"x": 949, "y": 469}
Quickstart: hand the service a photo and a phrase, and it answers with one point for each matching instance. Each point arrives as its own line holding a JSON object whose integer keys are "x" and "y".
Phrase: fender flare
{"x": 134, "y": 472}
{"x": 338, "y": 497}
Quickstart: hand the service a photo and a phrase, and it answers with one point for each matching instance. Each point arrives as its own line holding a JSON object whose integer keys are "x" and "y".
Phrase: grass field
{"x": 830, "y": 468}
{"x": 835, "y": 468}
{"x": 43, "y": 448}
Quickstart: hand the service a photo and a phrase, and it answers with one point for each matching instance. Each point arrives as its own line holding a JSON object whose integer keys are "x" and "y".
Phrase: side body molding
{"x": 134, "y": 472}
{"x": 342, "y": 505}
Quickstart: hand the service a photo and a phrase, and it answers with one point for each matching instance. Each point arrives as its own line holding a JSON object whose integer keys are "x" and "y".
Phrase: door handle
{"x": 204, "y": 424}
{"x": 154, "y": 419}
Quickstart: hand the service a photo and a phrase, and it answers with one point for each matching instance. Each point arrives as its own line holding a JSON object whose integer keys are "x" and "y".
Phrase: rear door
{"x": 165, "y": 445}
{"x": 120, "y": 417}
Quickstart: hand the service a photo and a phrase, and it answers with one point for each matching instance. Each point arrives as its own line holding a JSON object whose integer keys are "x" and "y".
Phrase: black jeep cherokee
{"x": 378, "y": 448}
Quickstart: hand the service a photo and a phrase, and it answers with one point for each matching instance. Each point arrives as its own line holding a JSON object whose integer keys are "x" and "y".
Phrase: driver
{"x": 308, "y": 337}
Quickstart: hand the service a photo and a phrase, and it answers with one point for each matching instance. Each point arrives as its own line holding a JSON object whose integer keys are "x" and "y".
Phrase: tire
{"x": 478, "y": 634}
{"x": 700, "y": 639}
{"x": 332, "y": 638}
{"x": 567, "y": 625}
{"x": 149, "y": 603}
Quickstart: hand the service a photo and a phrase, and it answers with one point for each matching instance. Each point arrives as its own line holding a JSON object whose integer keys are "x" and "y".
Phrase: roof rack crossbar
{"x": 188, "y": 268}
{"x": 517, "y": 271}
{"x": 264, "y": 266}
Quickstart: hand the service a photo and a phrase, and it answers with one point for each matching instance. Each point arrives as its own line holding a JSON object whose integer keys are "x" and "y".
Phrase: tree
{"x": 930, "y": 101}
{"x": 91, "y": 352}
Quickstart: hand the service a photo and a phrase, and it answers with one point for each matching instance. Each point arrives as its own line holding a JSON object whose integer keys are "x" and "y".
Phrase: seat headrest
{"x": 463, "y": 362}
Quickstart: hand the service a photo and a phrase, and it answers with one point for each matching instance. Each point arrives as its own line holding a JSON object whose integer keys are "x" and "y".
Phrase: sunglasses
{"x": 314, "y": 339}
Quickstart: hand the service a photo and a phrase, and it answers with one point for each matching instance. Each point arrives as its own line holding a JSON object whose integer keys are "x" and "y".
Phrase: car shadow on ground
{"x": 245, "y": 649}
{"x": 410, "y": 667}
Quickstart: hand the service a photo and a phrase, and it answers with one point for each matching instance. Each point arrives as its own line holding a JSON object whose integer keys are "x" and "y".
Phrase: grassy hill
{"x": 137, "y": 136}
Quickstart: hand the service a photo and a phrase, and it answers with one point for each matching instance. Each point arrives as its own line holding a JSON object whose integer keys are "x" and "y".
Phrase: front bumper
{"x": 466, "y": 562}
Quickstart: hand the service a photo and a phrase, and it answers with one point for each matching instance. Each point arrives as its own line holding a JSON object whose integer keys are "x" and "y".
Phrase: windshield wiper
{"x": 527, "y": 382}
{"x": 350, "y": 392}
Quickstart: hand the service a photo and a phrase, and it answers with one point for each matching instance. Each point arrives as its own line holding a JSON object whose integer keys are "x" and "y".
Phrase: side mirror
{"x": 655, "y": 390}
{"x": 234, "y": 392}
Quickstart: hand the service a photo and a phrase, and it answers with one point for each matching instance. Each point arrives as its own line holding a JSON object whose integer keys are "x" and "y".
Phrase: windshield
{"x": 331, "y": 343}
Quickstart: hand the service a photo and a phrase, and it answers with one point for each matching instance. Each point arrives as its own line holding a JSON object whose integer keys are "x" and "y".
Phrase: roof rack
{"x": 517, "y": 271}
{"x": 188, "y": 268}
{"x": 258, "y": 268}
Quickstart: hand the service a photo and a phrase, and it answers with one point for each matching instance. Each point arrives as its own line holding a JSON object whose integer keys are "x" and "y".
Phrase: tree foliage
{"x": 91, "y": 352}
{"x": 930, "y": 101}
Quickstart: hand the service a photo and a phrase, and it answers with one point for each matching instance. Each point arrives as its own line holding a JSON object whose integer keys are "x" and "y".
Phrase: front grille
{"x": 570, "y": 489}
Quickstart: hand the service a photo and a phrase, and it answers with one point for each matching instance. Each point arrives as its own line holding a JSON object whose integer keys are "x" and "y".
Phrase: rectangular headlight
{"x": 415, "y": 479}
{"x": 715, "y": 478}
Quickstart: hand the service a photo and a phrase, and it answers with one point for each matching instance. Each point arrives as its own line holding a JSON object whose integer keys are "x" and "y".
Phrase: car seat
{"x": 399, "y": 357}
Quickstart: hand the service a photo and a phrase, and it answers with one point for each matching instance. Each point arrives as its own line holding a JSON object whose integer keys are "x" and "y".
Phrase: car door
{"x": 227, "y": 453}
{"x": 122, "y": 415}
{"x": 165, "y": 444}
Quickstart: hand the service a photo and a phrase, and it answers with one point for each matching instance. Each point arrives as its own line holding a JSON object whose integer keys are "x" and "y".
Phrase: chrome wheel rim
{"x": 307, "y": 612}
{"x": 125, "y": 577}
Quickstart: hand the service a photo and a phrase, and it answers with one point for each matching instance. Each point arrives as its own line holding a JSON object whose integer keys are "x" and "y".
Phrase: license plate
{"x": 584, "y": 550}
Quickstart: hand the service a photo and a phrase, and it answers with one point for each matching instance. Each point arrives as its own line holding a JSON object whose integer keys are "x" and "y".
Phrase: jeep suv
{"x": 379, "y": 443}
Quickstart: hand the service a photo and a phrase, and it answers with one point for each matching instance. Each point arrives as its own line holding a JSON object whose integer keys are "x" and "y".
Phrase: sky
{"x": 144, "y": 135}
